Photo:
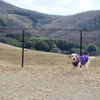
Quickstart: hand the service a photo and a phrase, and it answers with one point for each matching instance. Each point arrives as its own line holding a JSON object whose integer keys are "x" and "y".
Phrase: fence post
{"x": 23, "y": 49}
{"x": 80, "y": 42}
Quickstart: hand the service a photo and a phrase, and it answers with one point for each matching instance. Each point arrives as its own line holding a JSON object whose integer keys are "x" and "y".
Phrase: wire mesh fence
{"x": 63, "y": 41}
{"x": 10, "y": 54}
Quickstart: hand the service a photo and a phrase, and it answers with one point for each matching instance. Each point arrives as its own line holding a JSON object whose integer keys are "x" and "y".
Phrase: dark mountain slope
{"x": 12, "y": 16}
{"x": 86, "y": 20}
{"x": 37, "y": 18}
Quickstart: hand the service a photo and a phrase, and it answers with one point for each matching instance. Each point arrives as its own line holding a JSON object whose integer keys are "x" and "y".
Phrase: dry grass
{"x": 22, "y": 19}
{"x": 45, "y": 76}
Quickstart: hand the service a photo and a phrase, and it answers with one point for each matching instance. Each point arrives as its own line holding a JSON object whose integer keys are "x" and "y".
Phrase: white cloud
{"x": 63, "y": 7}
{"x": 50, "y": 7}
{"x": 86, "y": 5}
{"x": 27, "y": 2}
{"x": 63, "y": 2}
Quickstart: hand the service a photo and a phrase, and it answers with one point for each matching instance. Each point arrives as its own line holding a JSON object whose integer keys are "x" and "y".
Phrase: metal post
{"x": 23, "y": 49}
{"x": 80, "y": 42}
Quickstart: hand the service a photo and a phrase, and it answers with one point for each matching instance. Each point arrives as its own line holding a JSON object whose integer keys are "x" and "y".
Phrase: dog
{"x": 79, "y": 61}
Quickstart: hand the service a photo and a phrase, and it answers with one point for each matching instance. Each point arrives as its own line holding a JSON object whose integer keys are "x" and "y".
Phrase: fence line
{"x": 23, "y": 35}
{"x": 52, "y": 29}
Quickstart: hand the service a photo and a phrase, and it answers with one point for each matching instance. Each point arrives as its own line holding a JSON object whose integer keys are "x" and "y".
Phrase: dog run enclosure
{"x": 22, "y": 32}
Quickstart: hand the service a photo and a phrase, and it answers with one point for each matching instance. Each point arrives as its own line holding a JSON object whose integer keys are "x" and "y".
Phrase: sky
{"x": 57, "y": 7}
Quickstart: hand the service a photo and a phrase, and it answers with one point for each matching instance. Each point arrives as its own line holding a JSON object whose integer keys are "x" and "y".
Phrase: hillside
{"x": 11, "y": 55}
{"x": 12, "y": 16}
{"x": 45, "y": 76}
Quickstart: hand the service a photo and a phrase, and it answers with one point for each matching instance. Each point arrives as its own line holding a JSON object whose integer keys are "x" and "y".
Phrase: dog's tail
{"x": 92, "y": 57}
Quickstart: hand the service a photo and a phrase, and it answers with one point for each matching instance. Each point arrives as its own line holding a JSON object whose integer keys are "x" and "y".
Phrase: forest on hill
{"x": 12, "y": 16}
{"x": 50, "y": 44}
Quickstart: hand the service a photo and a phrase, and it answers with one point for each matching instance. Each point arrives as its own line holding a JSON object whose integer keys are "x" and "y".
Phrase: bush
{"x": 15, "y": 43}
{"x": 52, "y": 45}
{"x": 29, "y": 44}
{"x": 3, "y": 41}
{"x": 41, "y": 45}
{"x": 2, "y": 21}
{"x": 55, "y": 50}
{"x": 72, "y": 51}
{"x": 92, "y": 48}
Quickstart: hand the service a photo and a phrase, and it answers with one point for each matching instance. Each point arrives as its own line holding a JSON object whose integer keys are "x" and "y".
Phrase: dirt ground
{"x": 48, "y": 83}
{"x": 45, "y": 76}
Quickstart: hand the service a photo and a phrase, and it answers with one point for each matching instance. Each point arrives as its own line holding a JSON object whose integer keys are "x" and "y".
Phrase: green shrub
{"x": 41, "y": 45}
{"x": 92, "y": 48}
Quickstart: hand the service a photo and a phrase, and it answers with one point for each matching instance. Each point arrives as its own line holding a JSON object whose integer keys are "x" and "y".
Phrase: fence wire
{"x": 20, "y": 37}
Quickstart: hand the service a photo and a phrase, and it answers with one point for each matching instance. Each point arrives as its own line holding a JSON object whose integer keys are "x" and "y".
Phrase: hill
{"x": 45, "y": 76}
{"x": 11, "y": 55}
{"x": 12, "y": 16}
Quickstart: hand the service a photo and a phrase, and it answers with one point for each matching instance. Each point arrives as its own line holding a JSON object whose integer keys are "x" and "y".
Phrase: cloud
{"x": 27, "y": 2}
{"x": 64, "y": 2}
{"x": 63, "y": 7}
{"x": 86, "y": 5}
{"x": 48, "y": 6}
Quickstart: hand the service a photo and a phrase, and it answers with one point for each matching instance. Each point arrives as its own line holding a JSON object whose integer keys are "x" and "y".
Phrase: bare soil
{"x": 46, "y": 76}
{"x": 48, "y": 83}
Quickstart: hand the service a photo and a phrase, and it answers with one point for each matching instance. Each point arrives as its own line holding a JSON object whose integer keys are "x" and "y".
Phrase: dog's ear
{"x": 69, "y": 56}
{"x": 77, "y": 56}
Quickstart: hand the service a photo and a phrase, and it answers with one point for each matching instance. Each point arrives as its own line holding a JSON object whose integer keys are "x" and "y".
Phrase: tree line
{"x": 47, "y": 44}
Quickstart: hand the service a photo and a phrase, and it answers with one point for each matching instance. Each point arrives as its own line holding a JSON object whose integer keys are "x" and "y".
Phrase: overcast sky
{"x": 58, "y": 7}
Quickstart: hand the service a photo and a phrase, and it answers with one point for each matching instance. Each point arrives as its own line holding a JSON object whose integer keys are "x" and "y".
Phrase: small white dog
{"x": 78, "y": 61}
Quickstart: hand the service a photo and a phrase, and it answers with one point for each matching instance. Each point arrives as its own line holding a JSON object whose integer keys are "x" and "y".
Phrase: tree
{"x": 15, "y": 43}
{"x": 29, "y": 44}
{"x": 92, "y": 48}
{"x": 52, "y": 45}
{"x": 62, "y": 44}
{"x": 2, "y": 22}
{"x": 41, "y": 45}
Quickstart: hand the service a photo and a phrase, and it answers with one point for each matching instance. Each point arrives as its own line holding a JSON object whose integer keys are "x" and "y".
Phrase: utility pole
{"x": 80, "y": 42}
{"x": 23, "y": 49}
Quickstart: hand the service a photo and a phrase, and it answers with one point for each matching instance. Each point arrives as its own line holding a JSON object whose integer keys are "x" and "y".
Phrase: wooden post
{"x": 23, "y": 49}
{"x": 80, "y": 42}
